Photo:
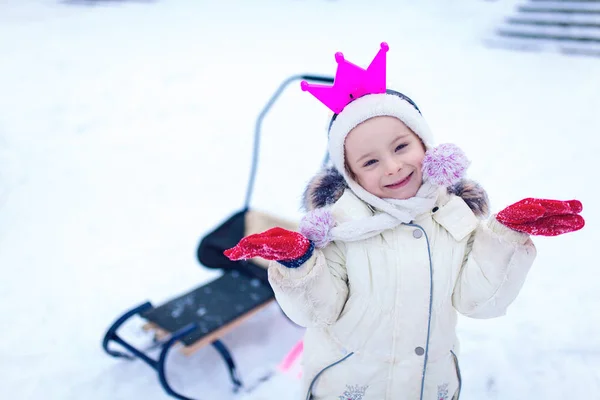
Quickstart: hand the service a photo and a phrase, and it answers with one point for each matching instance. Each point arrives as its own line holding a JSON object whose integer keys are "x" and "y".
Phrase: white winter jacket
{"x": 381, "y": 313}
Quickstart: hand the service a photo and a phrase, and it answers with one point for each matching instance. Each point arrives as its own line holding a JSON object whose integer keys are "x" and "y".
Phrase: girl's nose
{"x": 393, "y": 166}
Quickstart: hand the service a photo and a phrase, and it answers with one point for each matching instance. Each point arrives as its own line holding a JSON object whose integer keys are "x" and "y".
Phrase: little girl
{"x": 394, "y": 245}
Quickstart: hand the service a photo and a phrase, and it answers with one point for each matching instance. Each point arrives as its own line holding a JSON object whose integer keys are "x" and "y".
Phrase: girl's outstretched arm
{"x": 494, "y": 270}
{"x": 500, "y": 253}
{"x": 314, "y": 293}
{"x": 310, "y": 283}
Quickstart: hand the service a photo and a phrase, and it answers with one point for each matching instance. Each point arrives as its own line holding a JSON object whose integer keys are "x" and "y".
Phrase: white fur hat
{"x": 392, "y": 104}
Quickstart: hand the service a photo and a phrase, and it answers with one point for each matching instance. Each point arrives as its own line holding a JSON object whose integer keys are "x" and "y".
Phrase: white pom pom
{"x": 316, "y": 225}
{"x": 445, "y": 164}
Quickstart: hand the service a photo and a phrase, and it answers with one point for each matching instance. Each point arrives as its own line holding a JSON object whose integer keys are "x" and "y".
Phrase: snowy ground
{"x": 126, "y": 132}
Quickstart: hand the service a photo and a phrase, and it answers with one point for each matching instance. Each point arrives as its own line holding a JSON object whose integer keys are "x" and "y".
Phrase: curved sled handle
{"x": 261, "y": 116}
{"x": 317, "y": 78}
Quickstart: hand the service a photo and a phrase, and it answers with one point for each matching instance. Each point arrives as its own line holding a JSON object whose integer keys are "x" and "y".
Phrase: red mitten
{"x": 274, "y": 244}
{"x": 542, "y": 217}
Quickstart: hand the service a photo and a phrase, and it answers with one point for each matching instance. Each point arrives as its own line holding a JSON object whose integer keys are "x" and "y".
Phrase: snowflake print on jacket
{"x": 442, "y": 392}
{"x": 355, "y": 392}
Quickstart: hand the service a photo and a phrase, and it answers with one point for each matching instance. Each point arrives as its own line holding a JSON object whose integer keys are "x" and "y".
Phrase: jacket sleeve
{"x": 314, "y": 293}
{"x": 494, "y": 269}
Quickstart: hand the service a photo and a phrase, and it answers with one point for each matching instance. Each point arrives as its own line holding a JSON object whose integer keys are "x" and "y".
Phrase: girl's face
{"x": 385, "y": 157}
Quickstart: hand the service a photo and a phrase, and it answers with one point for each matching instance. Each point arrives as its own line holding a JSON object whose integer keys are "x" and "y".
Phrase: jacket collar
{"x": 452, "y": 213}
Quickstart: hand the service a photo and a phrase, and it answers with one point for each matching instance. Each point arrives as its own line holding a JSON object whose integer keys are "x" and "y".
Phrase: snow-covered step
{"x": 549, "y": 19}
{"x": 575, "y": 18}
{"x": 560, "y": 7}
{"x": 544, "y": 44}
{"x": 564, "y": 33}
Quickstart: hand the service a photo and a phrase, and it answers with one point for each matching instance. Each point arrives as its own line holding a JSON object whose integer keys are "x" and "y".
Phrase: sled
{"x": 202, "y": 316}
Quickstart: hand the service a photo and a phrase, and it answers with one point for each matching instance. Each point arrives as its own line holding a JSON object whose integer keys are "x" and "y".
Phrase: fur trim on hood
{"x": 328, "y": 186}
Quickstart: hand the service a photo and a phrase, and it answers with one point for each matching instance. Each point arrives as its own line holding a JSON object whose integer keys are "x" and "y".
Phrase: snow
{"x": 126, "y": 133}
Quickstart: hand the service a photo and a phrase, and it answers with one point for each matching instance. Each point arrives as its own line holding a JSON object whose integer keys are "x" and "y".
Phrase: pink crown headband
{"x": 351, "y": 81}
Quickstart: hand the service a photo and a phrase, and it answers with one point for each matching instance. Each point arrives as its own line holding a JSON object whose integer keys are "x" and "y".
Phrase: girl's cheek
{"x": 373, "y": 175}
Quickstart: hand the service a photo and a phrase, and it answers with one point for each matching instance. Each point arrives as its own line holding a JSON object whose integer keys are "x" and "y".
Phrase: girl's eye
{"x": 369, "y": 163}
{"x": 401, "y": 146}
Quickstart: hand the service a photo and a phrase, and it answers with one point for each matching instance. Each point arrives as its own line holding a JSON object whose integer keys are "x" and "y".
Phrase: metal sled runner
{"x": 243, "y": 290}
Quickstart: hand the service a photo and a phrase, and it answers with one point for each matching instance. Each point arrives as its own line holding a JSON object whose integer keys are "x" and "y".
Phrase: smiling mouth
{"x": 401, "y": 183}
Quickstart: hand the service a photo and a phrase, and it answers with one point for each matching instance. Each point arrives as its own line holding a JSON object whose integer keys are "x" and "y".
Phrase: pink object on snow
{"x": 290, "y": 365}
{"x": 351, "y": 81}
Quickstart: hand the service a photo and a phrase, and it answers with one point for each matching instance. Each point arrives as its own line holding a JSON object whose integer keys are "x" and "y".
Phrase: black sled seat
{"x": 202, "y": 316}
{"x": 218, "y": 306}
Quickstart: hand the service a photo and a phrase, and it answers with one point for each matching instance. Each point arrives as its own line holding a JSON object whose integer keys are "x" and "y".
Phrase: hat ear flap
{"x": 445, "y": 164}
